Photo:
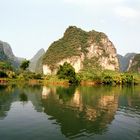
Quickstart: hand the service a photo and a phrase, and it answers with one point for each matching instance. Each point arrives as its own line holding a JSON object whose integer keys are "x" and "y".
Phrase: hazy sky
{"x": 28, "y": 25}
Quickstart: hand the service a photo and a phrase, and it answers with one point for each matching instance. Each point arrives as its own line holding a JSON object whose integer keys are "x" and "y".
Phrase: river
{"x": 59, "y": 113}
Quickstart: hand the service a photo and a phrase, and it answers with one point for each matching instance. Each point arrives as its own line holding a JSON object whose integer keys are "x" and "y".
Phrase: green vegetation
{"x": 25, "y": 64}
{"x": 96, "y": 37}
{"x": 28, "y": 75}
{"x": 5, "y": 66}
{"x": 67, "y": 72}
{"x": 54, "y": 80}
{"x": 6, "y": 70}
{"x": 91, "y": 64}
{"x": 96, "y": 76}
{"x": 74, "y": 42}
{"x": 109, "y": 77}
{"x": 66, "y": 75}
{"x": 3, "y": 74}
{"x": 9, "y": 75}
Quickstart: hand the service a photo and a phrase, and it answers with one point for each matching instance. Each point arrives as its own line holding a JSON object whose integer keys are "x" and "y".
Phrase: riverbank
{"x": 60, "y": 82}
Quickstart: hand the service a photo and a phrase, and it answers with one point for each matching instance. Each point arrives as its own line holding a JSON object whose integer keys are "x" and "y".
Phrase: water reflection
{"x": 23, "y": 97}
{"x": 45, "y": 92}
{"x": 77, "y": 111}
{"x": 5, "y": 100}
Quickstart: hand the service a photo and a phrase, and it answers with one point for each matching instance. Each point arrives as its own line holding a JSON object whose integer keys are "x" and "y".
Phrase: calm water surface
{"x": 57, "y": 113}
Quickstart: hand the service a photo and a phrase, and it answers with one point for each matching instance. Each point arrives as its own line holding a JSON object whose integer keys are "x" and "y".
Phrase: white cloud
{"x": 127, "y": 12}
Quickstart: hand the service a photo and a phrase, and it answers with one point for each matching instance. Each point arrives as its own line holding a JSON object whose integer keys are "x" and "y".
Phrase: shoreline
{"x": 5, "y": 81}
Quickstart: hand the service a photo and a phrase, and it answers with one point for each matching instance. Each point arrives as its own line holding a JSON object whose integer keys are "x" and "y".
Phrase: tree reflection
{"x": 76, "y": 109}
{"x": 65, "y": 93}
{"x": 23, "y": 97}
{"x": 5, "y": 99}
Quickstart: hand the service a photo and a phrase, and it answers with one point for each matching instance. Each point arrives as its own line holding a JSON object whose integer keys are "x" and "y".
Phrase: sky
{"x": 29, "y": 25}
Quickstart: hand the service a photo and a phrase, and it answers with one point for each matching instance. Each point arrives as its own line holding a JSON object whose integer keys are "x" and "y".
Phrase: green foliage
{"x": 5, "y": 66}
{"x": 108, "y": 80}
{"x": 11, "y": 74}
{"x": 37, "y": 76}
{"x": 32, "y": 75}
{"x": 26, "y": 75}
{"x": 53, "y": 79}
{"x": 90, "y": 74}
{"x": 67, "y": 72}
{"x": 6, "y": 70}
{"x": 115, "y": 78}
{"x": 136, "y": 78}
{"x": 3, "y": 74}
{"x": 96, "y": 37}
{"x": 91, "y": 64}
{"x": 127, "y": 78}
{"x": 25, "y": 64}
{"x": 109, "y": 77}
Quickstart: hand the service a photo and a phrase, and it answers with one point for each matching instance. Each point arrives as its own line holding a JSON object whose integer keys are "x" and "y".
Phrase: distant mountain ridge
{"x": 3, "y": 56}
{"x": 134, "y": 65}
{"x": 83, "y": 50}
{"x": 125, "y": 60}
{"x": 36, "y": 62}
{"x": 6, "y": 54}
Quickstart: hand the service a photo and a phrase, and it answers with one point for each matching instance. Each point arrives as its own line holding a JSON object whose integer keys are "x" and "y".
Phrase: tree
{"x": 25, "y": 64}
{"x": 5, "y": 66}
{"x": 3, "y": 74}
{"x": 67, "y": 72}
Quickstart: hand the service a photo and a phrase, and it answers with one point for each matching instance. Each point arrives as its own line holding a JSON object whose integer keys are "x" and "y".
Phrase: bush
{"x": 3, "y": 74}
{"x": 25, "y": 64}
{"x": 67, "y": 72}
{"x": 11, "y": 74}
{"x": 127, "y": 78}
{"x": 109, "y": 77}
{"x": 108, "y": 80}
{"x": 37, "y": 76}
{"x": 26, "y": 75}
{"x": 5, "y": 66}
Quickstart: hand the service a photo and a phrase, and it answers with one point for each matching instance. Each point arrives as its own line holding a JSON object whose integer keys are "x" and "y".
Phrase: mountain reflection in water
{"x": 70, "y": 112}
{"x": 77, "y": 112}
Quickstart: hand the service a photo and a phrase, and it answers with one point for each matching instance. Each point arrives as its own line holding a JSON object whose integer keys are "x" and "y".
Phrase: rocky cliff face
{"x": 125, "y": 61}
{"x": 134, "y": 64}
{"x": 36, "y": 61}
{"x": 6, "y": 54}
{"x": 3, "y": 56}
{"x": 82, "y": 50}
